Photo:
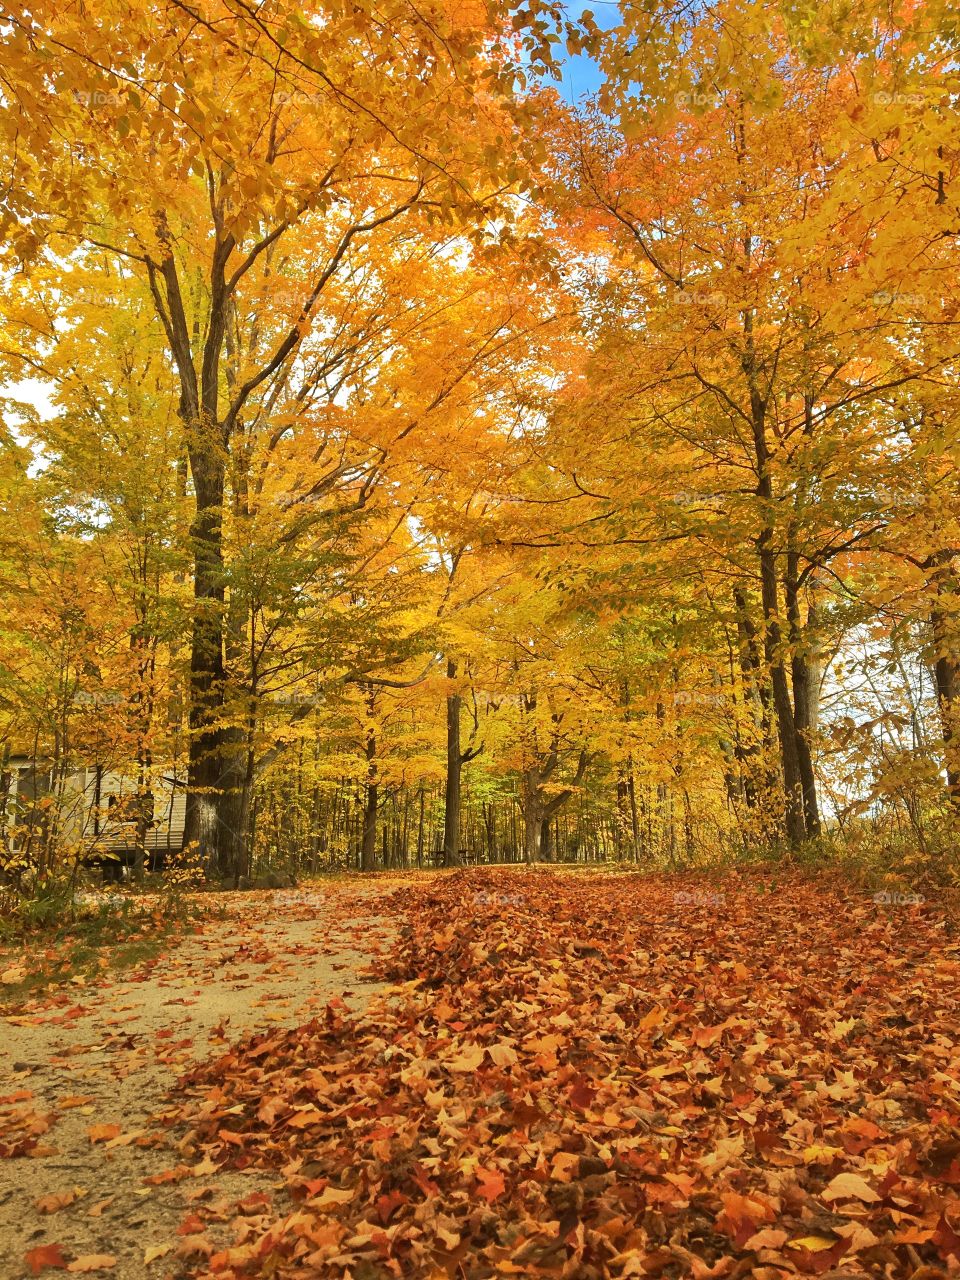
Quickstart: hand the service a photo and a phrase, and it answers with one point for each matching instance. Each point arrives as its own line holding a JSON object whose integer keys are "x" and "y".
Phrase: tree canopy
{"x": 405, "y": 465}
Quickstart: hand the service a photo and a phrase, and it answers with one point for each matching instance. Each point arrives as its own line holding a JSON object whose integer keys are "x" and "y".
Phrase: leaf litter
{"x": 604, "y": 1076}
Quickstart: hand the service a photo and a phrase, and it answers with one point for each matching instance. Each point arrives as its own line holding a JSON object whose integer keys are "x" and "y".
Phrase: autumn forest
{"x": 408, "y": 466}
{"x": 480, "y": 517}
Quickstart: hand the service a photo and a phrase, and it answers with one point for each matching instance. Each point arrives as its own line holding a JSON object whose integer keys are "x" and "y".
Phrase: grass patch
{"x": 59, "y": 939}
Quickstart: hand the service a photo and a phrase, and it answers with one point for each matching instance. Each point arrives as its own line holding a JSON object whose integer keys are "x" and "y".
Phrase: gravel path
{"x": 90, "y": 1077}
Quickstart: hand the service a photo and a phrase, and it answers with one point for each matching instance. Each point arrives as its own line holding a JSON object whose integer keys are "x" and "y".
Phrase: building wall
{"x": 109, "y": 826}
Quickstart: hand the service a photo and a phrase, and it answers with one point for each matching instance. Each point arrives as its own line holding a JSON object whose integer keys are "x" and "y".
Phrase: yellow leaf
{"x": 814, "y": 1244}
{"x": 502, "y": 1055}
{"x": 819, "y": 1153}
{"x": 468, "y": 1060}
{"x": 840, "y": 1029}
{"x": 847, "y": 1185}
{"x": 330, "y": 1196}
{"x": 563, "y": 1166}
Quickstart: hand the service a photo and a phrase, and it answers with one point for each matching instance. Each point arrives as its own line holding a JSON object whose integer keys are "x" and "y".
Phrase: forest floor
{"x": 86, "y": 1072}
{"x": 501, "y": 1072}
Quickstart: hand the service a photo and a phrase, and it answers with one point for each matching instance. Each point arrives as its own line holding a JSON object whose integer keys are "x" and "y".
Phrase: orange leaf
{"x": 54, "y": 1201}
{"x": 303, "y": 1119}
{"x": 490, "y": 1184}
{"x": 103, "y": 1132}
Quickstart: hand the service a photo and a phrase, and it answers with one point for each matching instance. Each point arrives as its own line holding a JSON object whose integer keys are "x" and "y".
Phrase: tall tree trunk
{"x": 531, "y": 834}
{"x": 368, "y": 837}
{"x": 782, "y": 704}
{"x": 769, "y": 589}
{"x": 634, "y": 815}
{"x": 420, "y": 827}
{"x": 803, "y": 678}
{"x": 756, "y": 700}
{"x": 204, "y": 767}
{"x": 946, "y": 664}
{"x": 621, "y": 826}
{"x": 368, "y": 842}
{"x": 233, "y": 806}
{"x": 451, "y": 808}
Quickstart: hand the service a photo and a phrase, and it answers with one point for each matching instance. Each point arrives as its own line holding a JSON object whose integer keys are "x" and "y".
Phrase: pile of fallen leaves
{"x": 613, "y": 1076}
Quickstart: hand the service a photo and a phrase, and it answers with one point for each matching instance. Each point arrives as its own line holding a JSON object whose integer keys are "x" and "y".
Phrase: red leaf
{"x": 389, "y": 1203}
{"x": 44, "y": 1256}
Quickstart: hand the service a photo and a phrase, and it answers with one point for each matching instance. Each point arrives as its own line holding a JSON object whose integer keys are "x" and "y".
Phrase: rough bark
{"x": 803, "y": 677}
{"x": 946, "y": 664}
{"x": 368, "y": 840}
{"x": 451, "y": 798}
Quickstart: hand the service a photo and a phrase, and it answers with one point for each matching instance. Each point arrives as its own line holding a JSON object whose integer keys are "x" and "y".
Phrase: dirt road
{"x": 88, "y": 1078}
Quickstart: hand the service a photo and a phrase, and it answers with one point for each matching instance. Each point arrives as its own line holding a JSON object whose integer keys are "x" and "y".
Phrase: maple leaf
{"x": 93, "y": 1262}
{"x": 503, "y": 1055}
{"x": 388, "y": 1203}
{"x": 45, "y": 1256}
{"x": 946, "y": 1239}
{"x": 103, "y": 1132}
{"x": 847, "y": 1186}
{"x": 490, "y": 1184}
{"x": 55, "y": 1201}
{"x": 767, "y": 1238}
{"x": 331, "y": 1196}
{"x": 469, "y": 1059}
{"x": 303, "y": 1118}
{"x": 812, "y": 1244}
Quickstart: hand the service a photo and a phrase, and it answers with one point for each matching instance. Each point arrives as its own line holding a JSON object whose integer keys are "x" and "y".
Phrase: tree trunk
{"x": 201, "y": 823}
{"x": 634, "y": 815}
{"x": 782, "y": 705}
{"x": 233, "y": 807}
{"x": 769, "y": 593}
{"x": 947, "y": 674}
{"x": 546, "y": 842}
{"x": 420, "y": 829}
{"x": 531, "y": 834}
{"x": 451, "y": 809}
{"x": 803, "y": 677}
{"x": 368, "y": 842}
{"x": 946, "y": 667}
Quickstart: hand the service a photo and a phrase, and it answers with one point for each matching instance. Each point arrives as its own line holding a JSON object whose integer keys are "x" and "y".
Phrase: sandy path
{"x": 107, "y": 1056}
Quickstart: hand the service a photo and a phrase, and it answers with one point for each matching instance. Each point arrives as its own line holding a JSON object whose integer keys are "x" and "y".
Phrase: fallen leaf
{"x": 54, "y": 1201}
{"x": 849, "y": 1185}
{"x": 490, "y": 1184}
{"x": 813, "y": 1244}
{"x": 103, "y": 1132}
{"x": 468, "y": 1060}
{"x": 155, "y": 1251}
{"x": 45, "y": 1256}
{"x": 330, "y": 1196}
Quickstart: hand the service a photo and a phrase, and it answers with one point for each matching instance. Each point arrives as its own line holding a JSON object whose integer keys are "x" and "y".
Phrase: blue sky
{"x": 581, "y": 75}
